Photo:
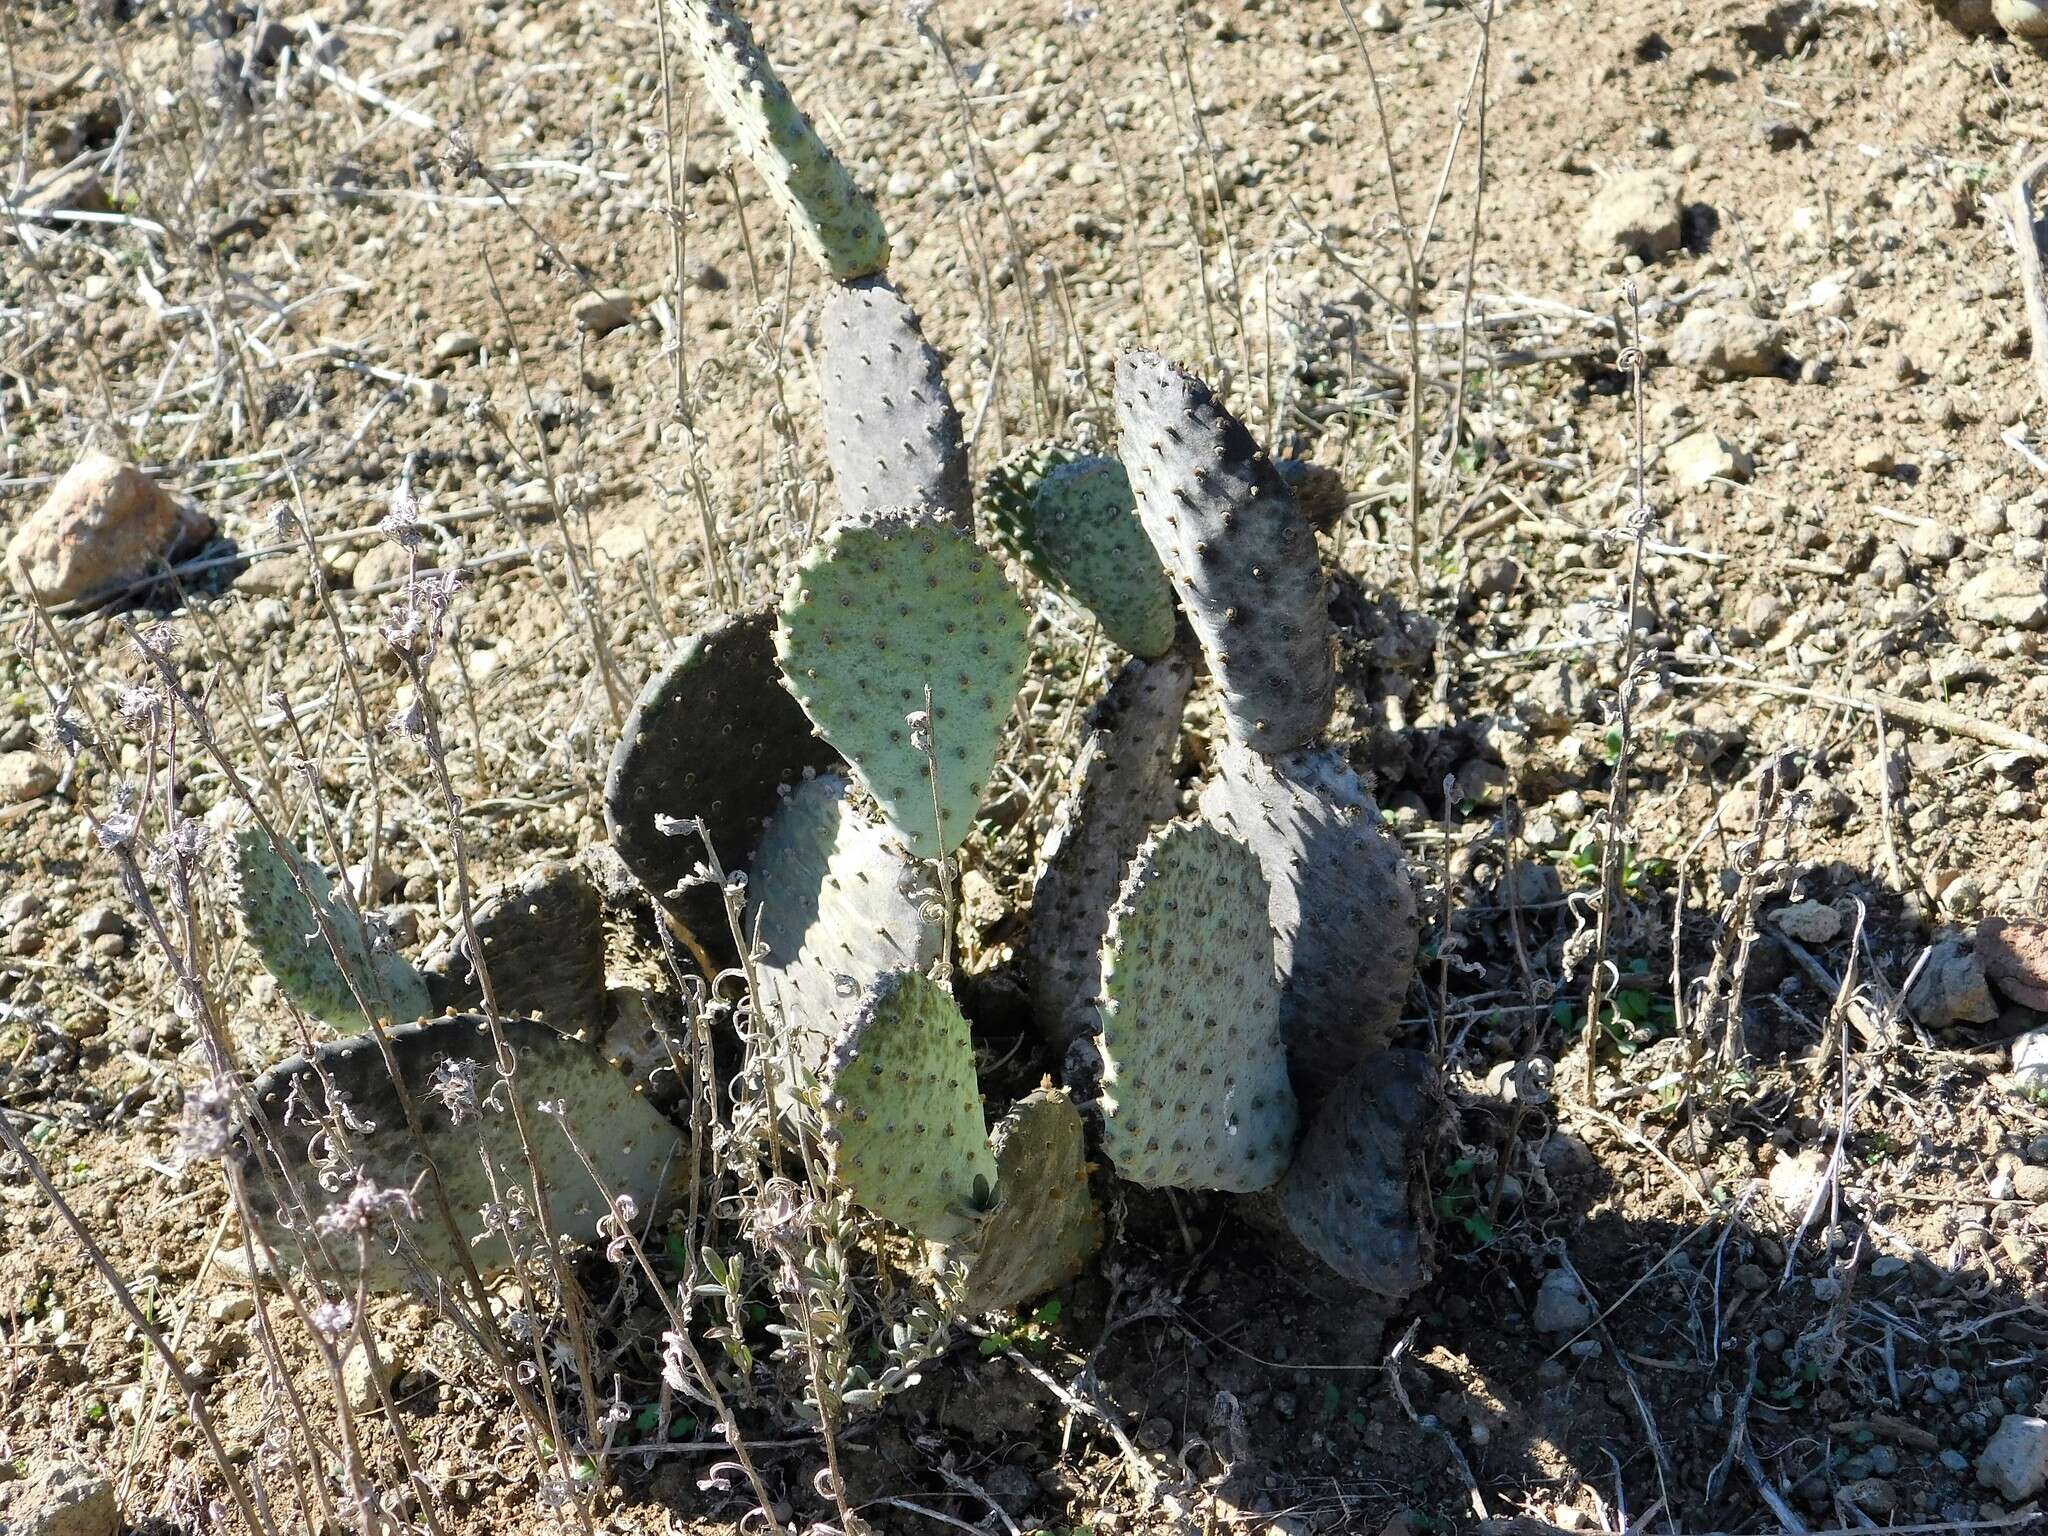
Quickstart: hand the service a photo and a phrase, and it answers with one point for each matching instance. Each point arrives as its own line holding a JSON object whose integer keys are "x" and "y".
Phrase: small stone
{"x": 359, "y": 1381}
{"x": 601, "y": 313}
{"x": 2008, "y": 596}
{"x": 2030, "y": 1062}
{"x": 19, "y": 907}
{"x": 1952, "y": 989}
{"x": 452, "y": 346}
{"x": 1723, "y": 343}
{"x": 68, "y": 1499}
{"x": 1705, "y": 456}
{"x": 100, "y": 920}
{"x": 382, "y": 564}
{"x": 1495, "y": 577}
{"x": 230, "y": 1307}
{"x": 1794, "y": 1179}
{"x": 1636, "y": 214}
{"x": 273, "y": 576}
{"x": 23, "y": 777}
{"x": 1876, "y": 457}
{"x": 1935, "y": 543}
{"x": 1810, "y": 922}
{"x": 2015, "y": 1463}
{"x": 1381, "y": 16}
{"x": 1561, "y": 1305}
{"x": 2030, "y": 1184}
{"x": 75, "y": 191}
{"x": 99, "y": 528}
{"x": 1872, "y": 1495}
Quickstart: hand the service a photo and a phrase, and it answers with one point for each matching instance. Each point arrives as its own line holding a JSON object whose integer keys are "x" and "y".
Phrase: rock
{"x": 1554, "y": 700}
{"x": 1876, "y": 457}
{"x": 2022, "y": 18}
{"x": 1810, "y": 922}
{"x": 2030, "y": 1185}
{"x": 1794, "y": 1179}
{"x": 2015, "y": 957}
{"x": 1952, "y": 988}
{"x": 2030, "y": 1062}
{"x": 24, "y": 777}
{"x": 2015, "y": 1462}
{"x": 1495, "y": 577}
{"x": 1636, "y": 214}
{"x": 230, "y": 1307}
{"x": 1723, "y": 343}
{"x": 67, "y": 1499}
{"x": 1706, "y": 456}
{"x": 273, "y": 576}
{"x": 382, "y": 564}
{"x": 452, "y": 346}
{"x": 99, "y": 528}
{"x": 1936, "y": 543}
{"x": 601, "y": 313}
{"x": 1973, "y": 18}
{"x": 1381, "y": 16}
{"x": 2008, "y": 596}
{"x": 99, "y": 921}
{"x": 359, "y": 1381}
{"x": 73, "y": 191}
{"x": 1561, "y": 1305}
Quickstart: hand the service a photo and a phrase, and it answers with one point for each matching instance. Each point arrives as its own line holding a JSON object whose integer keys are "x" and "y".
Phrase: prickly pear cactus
{"x": 543, "y": 942}
{"x": 1007, "y": 494}
{"x": 1194, "y": 1082}
{"x": 903, "y": 1113}
{"x": 1122, "y": 787}
{"x": 287, "y": 937}
{"x": 891, "y": 433}
{"x": 837, "y": 904}
{"x": 1342, "y": 906}
{"x": 1348, "y": 1195}
{"x": 879, "y": 610}
{"x": 833, "y": 218}
{"x": 1239, "y": 552}
{"x": 1046, "y": 1225}
{"x": 713, "y": 735}
{"x": 632, "y": 1145}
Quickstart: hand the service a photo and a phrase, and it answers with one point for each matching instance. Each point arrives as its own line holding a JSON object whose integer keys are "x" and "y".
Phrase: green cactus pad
{"x": 287, "y": 937}
{"x": 891, "y": 433}
{"x": 1008, "y": 492}
{"x": 632, "y": 1146}
{"x": 713, "y": 735}
{"x": 1194, "y": 1082}
{"x": 543, "y": 943}
{"x": 1046, "y": 1225}
{"x": 833, "y": 218}
{"x": 903, "y": 1113}
{"x": 1343, "y": 909}
{"x": 1087, "y": 525}
{"x": 1122, "y": 786}
{"x": 836, "y": 904}
{"x": 1349, "y": 1195}
{"x": 879, "y": 610}
{"x": 1240, "y": 554}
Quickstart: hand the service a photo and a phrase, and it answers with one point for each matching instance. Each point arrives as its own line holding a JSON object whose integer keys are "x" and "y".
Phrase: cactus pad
{"x": 837, "y": 904}
{"x": 1046, "y": 1224}
{"x": 1239, "y": 552}
{"x": 288, "y": 938}
{"x": 1122, "y": 787}
{"x": 903, "y": 1113}
{"x": 1343, "y": 910}
{"x": 713, "y": 735}
{"x": 879, "y": 610}
{"x": 1007, "y": 494}
{"x": 891, "y": 432}
{"x": 833, "y": 218}
{"x": 1194, "y": 1084}
{"x": 631, "y": 1144}
{"x": 1348, "y": 1195}
{"x": 543, "y": 943}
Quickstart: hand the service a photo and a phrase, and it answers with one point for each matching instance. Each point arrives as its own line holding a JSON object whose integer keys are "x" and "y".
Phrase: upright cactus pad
{"x": 837, "y": 904}
{"x": 1348, "y": 1197}
{"x": 288, "y": 937}
{"x": 1046, "y": 1224}
{"x": 543, "y": 941}
{"x": 891, "y": 433}
{"x": 1123, "y": 786}
{"x": 903, "y": 1112}
{"x": 1194, "y": 1084}
{"x": 1239, "y": 552}
{"x": 1343, "y": 909}
{"x": 879, "y": 610}
{"x": 632, "y": 1146}
{"x": 1009, "y": 490}
{"x": 713, "y": 735}
{"x": 832, "y": 217}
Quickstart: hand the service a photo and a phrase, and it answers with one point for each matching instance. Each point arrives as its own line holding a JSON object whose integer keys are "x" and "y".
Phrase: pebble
{"x": 601, "y": 313}
{"x": 100, "y": 527}
{"x": 230, "y": 1307}
{"x": 1495, "y": 577}
{"x": 2030, "y": 1062}
{"x": 1794, "y": 1179}
{"x": 73, "y": 191}
{"x": 360, "y": 1382}
{"x": 450, "y": 346}
{"x": 1638, "y": 214}
{"x": 67, "y": 1499}
{"x": 1561, "y": 1305}
{"x": 2008, "y": 596}
{"x": 2015, "y": 1462}
{"x": 1705, "y": 456}
{"x": 1720, "y": 343}
{"x": 1952, "y": 988}
{"x": 100, "y": 921}
{"x": 1810, "y": 922}
{"x": 273, "y": 576}
{"x": 23, "y": 777}
{"x": 2015, "y": 957}
{"x": 1381, "y": 16}
{"x": 1936, "y": 543}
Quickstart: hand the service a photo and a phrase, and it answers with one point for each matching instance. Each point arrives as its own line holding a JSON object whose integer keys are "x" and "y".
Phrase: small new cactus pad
{"x": 879, "y": 610}
{"x": 1094, "y": 550}
{"x": 1046, "y": 1225}
{"x": 836, "y": 904}
{"x": 1239, "y": 551}
{"x": 1348, "y": 1195}
{"x": 1122, "y": 787}
{"x": 1343, "y": 909}
{"x": 833, "y": 218}
{"x": 903, "y": 1112}
{"x": 891, "y": 433}
{"x": 1007, "y": 494}
{"x": 287, "y": 937}
{"x": 464, "y": 1120}
{"x": 543, "y": 944}
{"x": 1194, "y": 1081}
{"x": 713, "y": 735}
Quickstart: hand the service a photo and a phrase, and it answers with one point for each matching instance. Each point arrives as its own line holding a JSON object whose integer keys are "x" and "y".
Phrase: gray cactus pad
{"x": 891, "y": 433}
{"x": 1343, "y": 908}
{"x": 543, "y": 943}
{"x": 879, "y": 610}
{"x": 632, "y": 1145}
{"x": 833, "y": 218}
{"x": 1194, "y": 1084}
{"x": 1121, "y": 788}
{"x": 281, "y": 926}
{"x": 838, "y": 904}
{"x": 1239, "y": 552}
{"x": 903, "y": 1112}
{"x": 713, "y": 735}
{"x": 1349, "y": 1195}
{"x": 1046, "y": 1225}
